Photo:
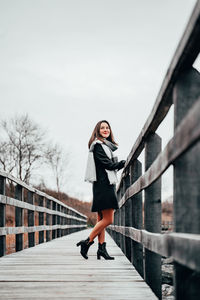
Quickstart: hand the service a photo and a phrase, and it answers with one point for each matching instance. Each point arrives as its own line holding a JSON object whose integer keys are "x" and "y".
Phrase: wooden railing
{"x": 140, "y": 238}
{"x": 43, "y": 214}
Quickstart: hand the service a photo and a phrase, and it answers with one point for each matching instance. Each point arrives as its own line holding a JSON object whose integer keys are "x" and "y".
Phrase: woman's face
{"x": 104, "y": 130}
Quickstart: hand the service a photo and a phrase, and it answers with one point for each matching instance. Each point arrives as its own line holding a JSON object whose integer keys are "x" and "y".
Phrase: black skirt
{"x": 104, "y": 196}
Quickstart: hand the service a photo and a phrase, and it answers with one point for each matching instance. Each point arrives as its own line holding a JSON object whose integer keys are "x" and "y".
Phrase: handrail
{"x": 185, "y": 55}
{"x": 54, "y": 218}
{"x": 190, "y": 127}
{"x": 36, "y": 191}
{"x": 137, "y": 223}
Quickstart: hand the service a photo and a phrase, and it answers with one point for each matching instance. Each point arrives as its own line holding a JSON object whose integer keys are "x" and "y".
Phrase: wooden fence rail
{"x": 54, "y": 218}
{"x": 140, "y": 238}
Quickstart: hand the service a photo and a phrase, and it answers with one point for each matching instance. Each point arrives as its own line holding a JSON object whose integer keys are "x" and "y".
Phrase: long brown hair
{"x": 96, "y": 134}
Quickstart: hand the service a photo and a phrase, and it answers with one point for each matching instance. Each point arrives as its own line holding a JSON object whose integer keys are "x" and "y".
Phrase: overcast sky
{"x": 71, "y": 63}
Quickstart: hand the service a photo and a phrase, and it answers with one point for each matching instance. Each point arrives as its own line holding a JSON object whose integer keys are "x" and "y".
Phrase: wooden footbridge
{"x": 55, "y": 270}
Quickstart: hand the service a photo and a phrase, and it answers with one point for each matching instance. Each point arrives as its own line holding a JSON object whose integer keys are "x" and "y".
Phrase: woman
{"x": 101, "y": 172}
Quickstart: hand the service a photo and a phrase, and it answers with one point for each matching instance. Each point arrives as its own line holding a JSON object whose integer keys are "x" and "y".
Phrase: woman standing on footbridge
{"x": 101, "y": 171}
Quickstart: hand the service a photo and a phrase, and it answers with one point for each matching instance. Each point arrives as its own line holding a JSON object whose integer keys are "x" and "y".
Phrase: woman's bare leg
{"x": 107, "y": 219}
{"x": 101, "y": 235}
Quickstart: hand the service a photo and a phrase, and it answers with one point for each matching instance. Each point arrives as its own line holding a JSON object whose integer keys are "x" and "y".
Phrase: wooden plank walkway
{"x": 55, "y": 270}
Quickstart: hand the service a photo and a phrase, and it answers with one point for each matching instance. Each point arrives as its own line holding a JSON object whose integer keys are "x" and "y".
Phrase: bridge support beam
{"x": 19, "y": 217}
{"x": 41, "y": 220}
{"x": 117, "y": 222}
{"x": 136, "y": 218}
{"x": 186, "y": 183}
{"x": 120, "y": 221}
{"x": 2, "y": 216}
{"x": 152, "y": 216}
{"x": 48, "y": 220}
{"x": 128, "y": 217}
{"x": 123, "y": 247}
{"x": 54, "y": 218}
{"x": 31, "y": 220}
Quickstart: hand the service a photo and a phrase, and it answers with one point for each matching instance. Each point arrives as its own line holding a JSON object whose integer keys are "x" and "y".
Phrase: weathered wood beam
{"x": 25, "y": 205}
{"x": 31, "y": 220}
{"x": 152, "y": 216}
{"x": 39, "y": 193}
{"x": 19, "y": 218}
{"x": 2, "y": 216}
{"x": 136, "y": 218}
{"x": 186, "y": 204}
{"x": 24, "y": 229}
{"x": 185, "y": 54}
{"x": 186, "y": 134}
{"x": 183, "y": 247}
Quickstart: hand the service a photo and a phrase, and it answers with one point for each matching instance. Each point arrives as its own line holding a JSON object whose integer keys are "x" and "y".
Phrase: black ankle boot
{"x": 103, "y": 252}
{"x": 85, "y": 245}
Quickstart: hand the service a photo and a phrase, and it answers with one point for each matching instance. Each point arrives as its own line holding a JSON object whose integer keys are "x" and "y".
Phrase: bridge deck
{"x": 55, "y": 270}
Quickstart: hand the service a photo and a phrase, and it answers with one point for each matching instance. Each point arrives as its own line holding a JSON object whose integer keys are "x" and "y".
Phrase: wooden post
{"x": 19, "y": 218}
{"x": 114, "y": 233}
{"x": 31, "y": 220}
{"x": 128, "y": 208}
{"x": 2, "y": 216}
{"x": 47, "y": 220}
{"x": 41, "y": 220}
{"x": 115, "y": 223}
{"x": 123, "y": 224}
{"x": 73, "y": 222}
{"x": 51, "y": 219}
{"x": 152, "y": 216}
{"x": 136, "y": 218}
{"x": 61, "y": 221}
{"x": 65, "y": 221}
{"x": 58, "y": 221}
{"x": 117, "y": 235}
{"x": 186, "y": 183}
{"x": 123, "y": 216}
{"x": 120, "y": 221}
{"x": 69, "y": 221}
{"x": 54, "y": 221}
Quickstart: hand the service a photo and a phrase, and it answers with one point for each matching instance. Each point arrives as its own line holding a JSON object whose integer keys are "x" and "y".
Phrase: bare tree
{"x": 7, "y": 156}
{"x": 22, "y": 146}
{"x": 59, "y": 162}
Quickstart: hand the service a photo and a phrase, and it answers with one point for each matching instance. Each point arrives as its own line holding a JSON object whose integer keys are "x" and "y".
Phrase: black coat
{"x": 104, "y": 193}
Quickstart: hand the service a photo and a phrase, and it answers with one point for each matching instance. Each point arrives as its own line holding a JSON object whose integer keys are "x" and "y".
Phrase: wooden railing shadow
{"x": 36, "y": 213}
{"x": 141, "y": 239}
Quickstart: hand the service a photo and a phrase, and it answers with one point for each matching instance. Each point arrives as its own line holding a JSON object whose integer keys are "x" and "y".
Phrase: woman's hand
{"x": 121, "y": 164}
